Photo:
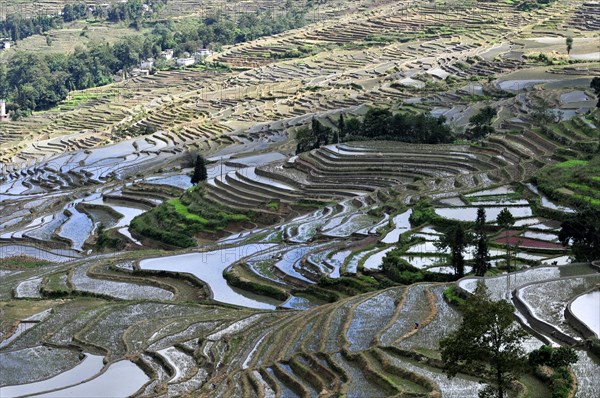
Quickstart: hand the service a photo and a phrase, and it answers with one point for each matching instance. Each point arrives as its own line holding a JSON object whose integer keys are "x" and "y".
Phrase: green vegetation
{"x": 573, "y": 182}
{"x": 22, "y": 262}
{"x": 486, "y": 344}
{"x": 583, "y": 232}
{"x": 482, "y": 253}
{"x": 33, "y": 81}
{"x": 176, "y": 221}
{"x": 559, "y": 378}
{"x": 200, "y": 173}
{"x": 480, "y": 124}
{"x": 378, "y": 123}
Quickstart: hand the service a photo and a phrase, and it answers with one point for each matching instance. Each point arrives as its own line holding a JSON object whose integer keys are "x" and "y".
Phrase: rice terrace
{"x": 301, "y": 198}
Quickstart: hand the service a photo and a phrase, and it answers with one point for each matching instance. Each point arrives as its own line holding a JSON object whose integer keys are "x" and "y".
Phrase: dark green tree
{"x": 554, "y": 357}
{"x": 481, "y": 123}
{"x": 457, "y": 240}
{"x": 482, "y": 253}
{"x": 595, "y": 85}
{"x": 569, "y": 42}
{"x": 506, "y": 220}
{"x": 341, "y": 125}
{"x": 487, "y": 343}
{"x": 200, "y": 173}
{"x": 583, "y": 232}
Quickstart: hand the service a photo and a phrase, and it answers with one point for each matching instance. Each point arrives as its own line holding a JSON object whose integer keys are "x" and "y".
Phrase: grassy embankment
{"x": 177, "y": 221}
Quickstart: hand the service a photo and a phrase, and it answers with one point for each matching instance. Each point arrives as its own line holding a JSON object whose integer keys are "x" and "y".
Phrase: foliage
{"x": 574, "y": 182}
{"x": 482, "y": 253}
{"x": 200, "y": 173}
{"x": 583, "y": 232}
{"x": 480, "y": 124}
{"x": 456, "y": 239}
{"x": 450, "y": 294}
{"x": 176, "y": 221}
{"x": 312, "y": 138}
{"x": 569, "y": 43}
{"x": 36, "y": 82}
{"x": 561, "y": 381}
{"x": 378, "y": 123}
{"x": 506, "y": 220}
{"x": 259, "y": 288}
{"x": 423, "y": 212}
{"x": 595, "y": 85}
{"x": 554, "y": 357}
{"x": 399, "y": 270}
{"x": 17, "y": 27}
{"x": 381, "y": 123}
{"x": 22, "y": 262}
{"x": 106, "y": 240}
{"x": 487, "y": 343}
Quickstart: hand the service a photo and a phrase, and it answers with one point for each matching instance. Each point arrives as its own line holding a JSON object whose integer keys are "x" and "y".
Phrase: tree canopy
{"x": 583, "y": 232}
{"x": 200, "y": 172}
{"x": 487, "y": 343}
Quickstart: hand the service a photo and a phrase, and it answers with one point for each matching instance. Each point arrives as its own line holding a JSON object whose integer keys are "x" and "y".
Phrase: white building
{"x": 3, "y": 115}
{"x": 168, "y": 54}
{"x": 140, "y": 72}
{"x": 6, "y": 44}
{"x": 147, "y": 64}
{"x": 185, "y": 61}
{"x": 205, "y": 52}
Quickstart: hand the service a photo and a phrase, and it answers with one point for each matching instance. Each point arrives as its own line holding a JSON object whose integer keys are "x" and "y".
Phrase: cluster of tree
{"x": 457, "y": 239}
{"x": 73, "y": 12}
{"x": 595, "y": 85}
{"x": 223, "y": 29}
{"x": 488, "y": 344}
{"x": 480, "y": 124}
{"x": 200, "y": 172}
{"x": 378, "y": 123}
{"x": 582, "y": 231}
{"x": 33, "y": 81}
{"x": 17, "y": 27}
{"x": 528, "y": 5}
{"x": 131, "y": 10}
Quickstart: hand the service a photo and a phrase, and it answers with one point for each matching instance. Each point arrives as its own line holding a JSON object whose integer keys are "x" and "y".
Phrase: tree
{"x": 583, "y": 232}
{"x": 481, "y": 123}
{"x": 457, "y": 240}
{"x": 482, "y": 253}
{"x": 595, "y": 85}
{"x": 487, "y": 343}
{"x": 506, "y": 220}
{"x": 554, "y": 357}
{"x": 200, "y": 173}
{"x": 569, "y": 42}
{"x": 341, "y": 125}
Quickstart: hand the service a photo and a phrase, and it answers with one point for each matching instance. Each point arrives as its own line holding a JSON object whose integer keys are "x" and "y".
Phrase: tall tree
{"x": 583, "y": 232}
{"x": 506, "y": 220}
{"x": 595, "y": 85}
{"x": 569, "y": 42}
{"x": 457, "y": 240}
{"x": 200, "y": 173}
{"x": 487, "y": 343}
{"x": 482, "y": 253}
{"x": 481, "y": 123}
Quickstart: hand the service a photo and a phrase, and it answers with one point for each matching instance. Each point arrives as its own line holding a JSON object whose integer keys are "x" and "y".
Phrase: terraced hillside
{"x": 314, "y": 274}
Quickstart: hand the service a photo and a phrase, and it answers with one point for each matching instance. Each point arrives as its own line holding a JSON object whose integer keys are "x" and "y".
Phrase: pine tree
{"x": 457, "y": 240}
{"x": 200, "y": 173}
{"x": 506, "y": 220}
{"x": 569, "y": 42}
{"x": 482, "y": 253}
{"x": 341, "y": 126}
